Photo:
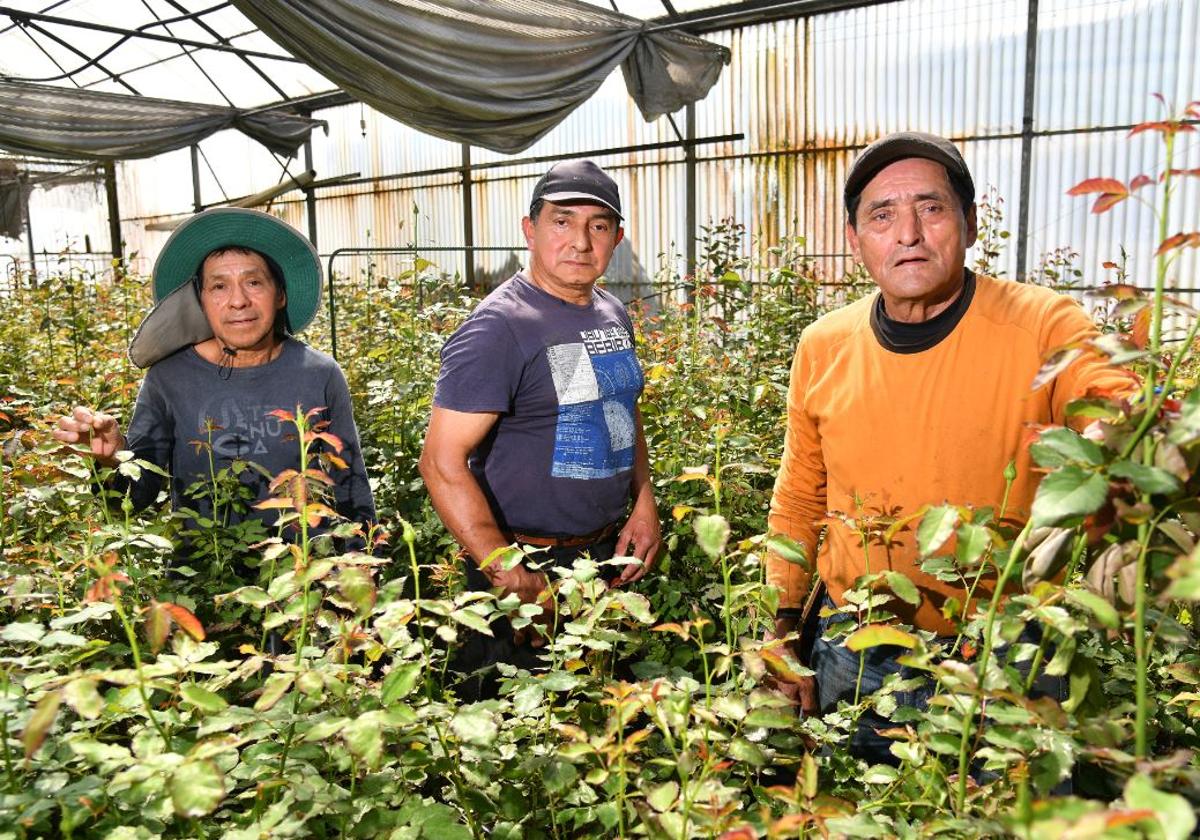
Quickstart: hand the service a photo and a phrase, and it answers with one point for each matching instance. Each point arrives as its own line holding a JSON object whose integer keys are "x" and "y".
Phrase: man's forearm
{"x": 464, "y": 510}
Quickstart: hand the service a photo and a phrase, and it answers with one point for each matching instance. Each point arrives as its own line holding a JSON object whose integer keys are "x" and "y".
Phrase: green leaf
{"x": 82, "y": 696}
{"x": 1097, "y": 606}
{"x": 936, "y": 527}
{"x": 770, "y": 719}
{"x": 197, "y": 788}
{"x": 40, "y": 721}
{"x": 873, "y": 635}
{"x": 636, "y": 605}
{"x": 472, "y": 619}
{"x": 904, "y": 588}
{"x": 788, "y": 549}
{"x": 712, "y": 532}
{"x": 475, "y": 725}
{"x": 325, "y": 729}
{"x": 558, "y": 775}
{"x": 399, "y": 682}
{"x": 663, "y": 796}
{"x": 23, "y": 632}
{"x": 1146, "y": 478}
{"x": 1068, "y": 492}
{"x": 973, "y": 540}
{"x": 1059, "y": 446}
{"x": 274, "y": 688}
{"x": 356, "y": 586}
{"x": 202, "y": 698}
{"x": 1186, "y": 427}
{"x": 1172, "y": 812}
{"x": 364, "y": 738}
{"x": 253, "y": 596}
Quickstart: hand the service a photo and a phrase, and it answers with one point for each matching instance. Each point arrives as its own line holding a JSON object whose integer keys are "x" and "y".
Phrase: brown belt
{"x": 563, "y": 542}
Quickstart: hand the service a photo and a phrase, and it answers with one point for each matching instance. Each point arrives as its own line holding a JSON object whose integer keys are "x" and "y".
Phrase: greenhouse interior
{"x": 253, "y": 655}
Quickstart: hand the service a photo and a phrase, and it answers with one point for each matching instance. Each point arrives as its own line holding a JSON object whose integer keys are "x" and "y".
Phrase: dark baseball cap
{"x": 577, "y": 180}
{"x": 908, "y": 144}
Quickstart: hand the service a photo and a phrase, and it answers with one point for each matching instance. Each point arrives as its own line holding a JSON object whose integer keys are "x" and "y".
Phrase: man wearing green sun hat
{"x": 231, "y": 288}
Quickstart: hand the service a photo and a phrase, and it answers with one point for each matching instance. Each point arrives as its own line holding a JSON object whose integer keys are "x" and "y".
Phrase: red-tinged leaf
{"x": 317, "y": 475}
{"x": 283, "y": 414}
{"x": 740, "y": 834}
{"x": 1117, "y": 819}
{"x": 1164, "y": 127}
{"x": 40, "y": 721}
{"x": 1055, "y": 363}
{"x": 1162, "y": 99}
{"x": 313, "y": 412}
{"x": 1107, "y": 202}
{"x": 158, "y": 625}
{"x": 267, "y": 504}
{"x": 1179, "y": 240}
{"x": 334, "y": 460}
{"x": 187, "y": 622}
{"x": 1139, "y": 182}
{"x": 106, "y": 587}
{"x": 1109, "y": 264}
{"x": 1099, "y": 185}
{"x": 673, "y": 627}
{"x": 330, "y": 438}
{"x": 783, "y": 669}
{"x": 1194, "y": 173}
{"x": 314, "y": 513}
{"x": 1140, "y": 333}
{"x": 281, "y": 479}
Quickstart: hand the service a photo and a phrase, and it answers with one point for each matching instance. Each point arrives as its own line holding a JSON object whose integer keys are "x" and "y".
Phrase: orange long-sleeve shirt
{"x": 871, "y": 431}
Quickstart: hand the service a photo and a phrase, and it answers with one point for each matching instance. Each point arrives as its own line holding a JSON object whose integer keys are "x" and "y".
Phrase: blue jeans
{"x": 837, "y": 667}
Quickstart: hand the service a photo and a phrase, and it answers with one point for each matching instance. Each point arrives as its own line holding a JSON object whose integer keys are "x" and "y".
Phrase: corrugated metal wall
{"x": 806, "y": 94}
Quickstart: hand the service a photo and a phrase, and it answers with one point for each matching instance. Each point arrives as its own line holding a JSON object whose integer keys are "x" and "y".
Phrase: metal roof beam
{"x": 752, "y": 11}
{"x": 18, "y": 15}
{"x": 221, "y": 39}
{"x": 89, "y": 62}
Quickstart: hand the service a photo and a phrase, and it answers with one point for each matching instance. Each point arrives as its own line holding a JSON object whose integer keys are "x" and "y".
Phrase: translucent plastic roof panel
{"x": 48, "y": 48}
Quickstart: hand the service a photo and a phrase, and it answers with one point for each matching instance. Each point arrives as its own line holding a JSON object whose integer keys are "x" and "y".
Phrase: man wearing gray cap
{"x": 535, "y": 436}
{"x": 920, "y": 394}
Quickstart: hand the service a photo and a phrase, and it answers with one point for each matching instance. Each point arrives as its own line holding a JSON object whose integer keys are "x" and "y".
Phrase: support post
{"x": 1031, "y": 35}
{"x": 114, "y": 210}
{"x": 197, "y": 204}
{"x": 468, "y": 216}
{"x": 310, "y": 197}
{"x": 25, "y": 190}
{"x": 689, "y": 150}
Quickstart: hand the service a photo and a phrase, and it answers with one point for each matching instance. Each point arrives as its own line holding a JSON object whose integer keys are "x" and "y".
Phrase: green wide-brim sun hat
{"x": 177, "y": 319}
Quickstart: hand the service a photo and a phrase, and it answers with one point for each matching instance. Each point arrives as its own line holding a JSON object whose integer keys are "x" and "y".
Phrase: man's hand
{"x": 641, "y": 538}
{"x": 93, "y": 429}
{"x": 802, "y": 692}
{"x": 531, "y": 588}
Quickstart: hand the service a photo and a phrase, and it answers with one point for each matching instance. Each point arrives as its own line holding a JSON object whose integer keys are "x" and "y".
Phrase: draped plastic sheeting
{"x": 75, "y": 124}
{"x": 497, "y": 74}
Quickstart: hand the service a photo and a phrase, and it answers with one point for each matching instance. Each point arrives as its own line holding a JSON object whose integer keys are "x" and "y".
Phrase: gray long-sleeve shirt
{"x": 183, "y": 392}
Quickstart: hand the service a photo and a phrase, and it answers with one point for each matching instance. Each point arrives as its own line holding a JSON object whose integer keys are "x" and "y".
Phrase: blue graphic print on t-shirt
{"x": 597, "y": 381}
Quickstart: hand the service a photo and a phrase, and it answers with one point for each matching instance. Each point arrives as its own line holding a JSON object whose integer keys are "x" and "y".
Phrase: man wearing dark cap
{"x": 535, "y": 436}
{"x": 917, "y": 395}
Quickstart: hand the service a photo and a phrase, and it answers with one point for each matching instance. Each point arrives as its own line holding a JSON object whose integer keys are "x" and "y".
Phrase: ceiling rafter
{"x": 17, "y": 15}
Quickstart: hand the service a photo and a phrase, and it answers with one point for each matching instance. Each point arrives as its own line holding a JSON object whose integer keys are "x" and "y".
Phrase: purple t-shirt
{"x": 565, "y": 380}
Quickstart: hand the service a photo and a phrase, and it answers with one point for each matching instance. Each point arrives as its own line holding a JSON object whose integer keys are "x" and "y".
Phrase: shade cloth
{"x": 494, "y": 73}
{"x": 55, "y": 122}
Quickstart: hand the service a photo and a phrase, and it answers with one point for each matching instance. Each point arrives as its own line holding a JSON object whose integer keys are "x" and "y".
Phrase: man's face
{"x": 240, "y": 300}
{"x": 912, "y": 237}
{"x": 570, "y": 245}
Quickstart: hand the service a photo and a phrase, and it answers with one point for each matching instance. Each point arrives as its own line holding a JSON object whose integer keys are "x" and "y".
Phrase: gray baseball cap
{"x": 908, "y": 144}
{"x": 577, "y": 180}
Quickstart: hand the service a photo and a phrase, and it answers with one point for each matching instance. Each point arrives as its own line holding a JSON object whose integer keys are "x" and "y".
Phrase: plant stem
{"x": 984, "y": 657}
{"x": 137, "y": 664}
